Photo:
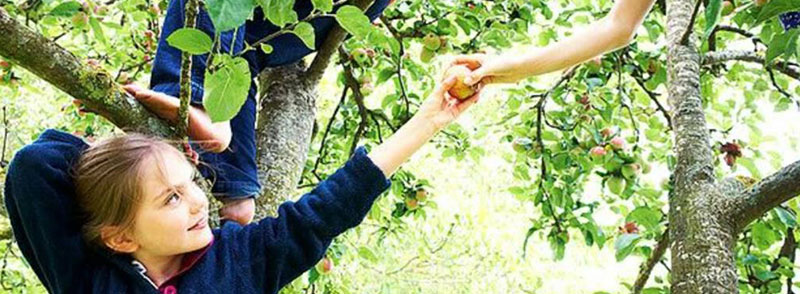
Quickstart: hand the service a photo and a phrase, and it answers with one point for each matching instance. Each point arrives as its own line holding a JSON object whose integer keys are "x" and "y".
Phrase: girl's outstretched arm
{"x": 275, "y": 251}
{"x": 613, "y": 31}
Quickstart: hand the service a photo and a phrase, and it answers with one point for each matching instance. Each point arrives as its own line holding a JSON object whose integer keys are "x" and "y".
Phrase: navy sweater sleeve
{"x": 281, "y": 249}
{"x": 39, "y": 196}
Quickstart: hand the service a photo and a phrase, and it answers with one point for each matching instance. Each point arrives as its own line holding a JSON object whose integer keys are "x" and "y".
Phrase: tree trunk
{"x": 703, "y": 233}
{"x": 283, "y": 132}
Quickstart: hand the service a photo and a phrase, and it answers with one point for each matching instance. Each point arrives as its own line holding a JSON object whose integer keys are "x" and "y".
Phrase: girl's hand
{"x": 490, "y": 69}
{"x": 440, "y": 109}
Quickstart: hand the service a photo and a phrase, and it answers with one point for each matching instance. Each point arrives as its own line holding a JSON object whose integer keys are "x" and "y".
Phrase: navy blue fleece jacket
{"x": 258, "y": 258}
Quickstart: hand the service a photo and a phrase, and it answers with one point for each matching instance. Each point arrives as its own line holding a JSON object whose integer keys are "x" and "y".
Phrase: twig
{"x": 186, "y": 72}
{"x": 688, "y": 32}
{"x": 650, "y": 263}
{"x": 327, "y": 131}
{"x": 357, "y": 95}
{"x": 399, "y": 68}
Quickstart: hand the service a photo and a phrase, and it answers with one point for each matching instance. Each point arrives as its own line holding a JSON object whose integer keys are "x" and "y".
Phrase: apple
{"x": 459, "y": 90}
{"x": 155, "y": 10}
{"x": 431, "y": 42}
{"x": 123, "y": 78}
{"x": 761, "y": 2}
{"x": 618, "y": 143}
{"x": 412, "y": 203}
{"x": 598, "y": 151}
{"x": 727, "y": 7}
{"x": 605, "y": 132}
{"x": 4, "y": 64}
{"x": 630, "y": 171}
{"x": 80, "y": 20}
{"x": 367, "y": 89}
{"x": 584, "y": 99}
{"x": 360, "y": 56}
{"x": 148, "y": 34}
{"x": 421, "y": 195}
{"x": 324, "y": 266}
{"x": 426, "y": 55}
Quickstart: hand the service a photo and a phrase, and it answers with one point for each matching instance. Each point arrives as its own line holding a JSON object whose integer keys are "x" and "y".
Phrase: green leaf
{"x": 616, "y": 185}
{"x": 785, "y": 43}
{"x": 190, "y": 40}
{"x": 354, "y": 21}
{"x": 66, "y": 9}
{"x": 763, "y": 236}
{"x": 776, "y": 7}
{"x": 645, "y": 216}
{"x": 279, "y": 12}
{"x": 624, "y": 245}
{"x": 366, "y": 253}
{"x": 226, "y": 88}
{"x": 267, "y": 48}
{"x": 713, "y": 12}
{"x": 323, "y": 5}
{"x": 98, "y": 31}
{"x": 305, "y": 31}
{"x": 229, "y": 14}
{"x": 786, "y": 217}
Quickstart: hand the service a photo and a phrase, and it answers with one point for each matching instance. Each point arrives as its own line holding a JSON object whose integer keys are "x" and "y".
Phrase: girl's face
{"x": 173, "y": 215}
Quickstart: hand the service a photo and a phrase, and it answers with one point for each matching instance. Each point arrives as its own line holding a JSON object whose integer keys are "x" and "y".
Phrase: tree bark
{"x": 95, "y": 87}
{"x": 703, "y": 237}
{"x": 283, "y": 132}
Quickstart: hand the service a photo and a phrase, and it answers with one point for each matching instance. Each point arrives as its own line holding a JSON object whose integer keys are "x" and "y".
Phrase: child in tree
{"x": 231, "y": 144}
{"x": 124, "y": 216}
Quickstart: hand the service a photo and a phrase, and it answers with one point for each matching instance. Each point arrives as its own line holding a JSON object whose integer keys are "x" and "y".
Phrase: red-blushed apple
{"x": 598, "y": 151}
{"x": 618, "y": 143}
{"x": 459, "y": 90}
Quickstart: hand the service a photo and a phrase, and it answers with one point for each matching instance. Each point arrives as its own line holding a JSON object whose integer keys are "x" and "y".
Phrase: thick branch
{"x": 354, "y": 85}
{"x": 650, "y": 263}
{"x": 769, "y": 193}
{"x": 94, "y": 87}
{"x": 750, "y": 56}
{"x": 335, "y": 37}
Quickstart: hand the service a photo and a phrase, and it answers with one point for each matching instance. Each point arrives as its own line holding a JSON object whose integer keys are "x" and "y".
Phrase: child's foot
{"x": 239, "y": 210}
{"x": 213, "y": 137}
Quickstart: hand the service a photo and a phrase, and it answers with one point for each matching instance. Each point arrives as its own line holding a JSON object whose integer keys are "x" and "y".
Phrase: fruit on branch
{"x": 460, "y": 90}
{"x": 732, "y": 151}
{"x": 361, "y": 56}
{"x": 727, "y": 7}
{"x": 605, "y": 132}
{"x": 421, "y": 195}
{"x": 431, "y": 42}
{"x": 629, "y": 228}
{"x": 618, "y": 143}
{"x": 4, "y": 64}
{"x": 598, "y": 151}
{"x": 761, "y": 2}
{"x": 584, "y": 99}
{"x": 80, "y": 19}
{"x": 412, "y": 204}
{"x": 366, "y": 89}
{"x": 324, "y": 266}
{"x": 630, "y": 171}
{"x": 426, "y": 55}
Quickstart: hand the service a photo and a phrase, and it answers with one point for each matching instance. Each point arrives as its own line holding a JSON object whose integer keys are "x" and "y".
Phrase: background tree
{"x": 600, "y": 128}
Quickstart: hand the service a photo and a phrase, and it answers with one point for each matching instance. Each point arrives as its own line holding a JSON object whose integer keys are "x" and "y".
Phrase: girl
{"x": 231, "y": 144}
{"x": 133, "y": 201}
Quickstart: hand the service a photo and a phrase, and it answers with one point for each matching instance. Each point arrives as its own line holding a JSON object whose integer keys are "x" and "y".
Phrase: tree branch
{"x": 750, "y": 56}
{"x": 330, "y": 46}
{"x": 650, "y": 263}
{"x": 185, "y": 93}
{"x": 354, "y": 85}
{"x": 95, "y": 87}
{"x": 768, "y": 194}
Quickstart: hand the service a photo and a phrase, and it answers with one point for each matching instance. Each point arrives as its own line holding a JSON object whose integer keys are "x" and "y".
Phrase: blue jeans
{"x": 234, "y": 170}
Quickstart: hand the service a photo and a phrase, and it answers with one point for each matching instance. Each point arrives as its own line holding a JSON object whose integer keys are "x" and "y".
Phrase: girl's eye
{"x": 174, "y": 198}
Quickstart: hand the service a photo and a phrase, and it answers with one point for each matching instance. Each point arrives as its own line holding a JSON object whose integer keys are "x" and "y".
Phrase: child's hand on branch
{"x": 214, "y": 137}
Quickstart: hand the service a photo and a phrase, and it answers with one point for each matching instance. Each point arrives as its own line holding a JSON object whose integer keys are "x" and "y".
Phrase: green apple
{"x": 431, "y": 42}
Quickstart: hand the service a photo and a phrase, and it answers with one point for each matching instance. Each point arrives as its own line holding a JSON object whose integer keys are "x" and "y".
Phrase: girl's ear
{"x": 117, "y": 240}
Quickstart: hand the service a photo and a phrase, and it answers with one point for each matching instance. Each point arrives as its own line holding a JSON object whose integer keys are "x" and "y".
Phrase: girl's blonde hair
{"x": 108, "y": 180}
